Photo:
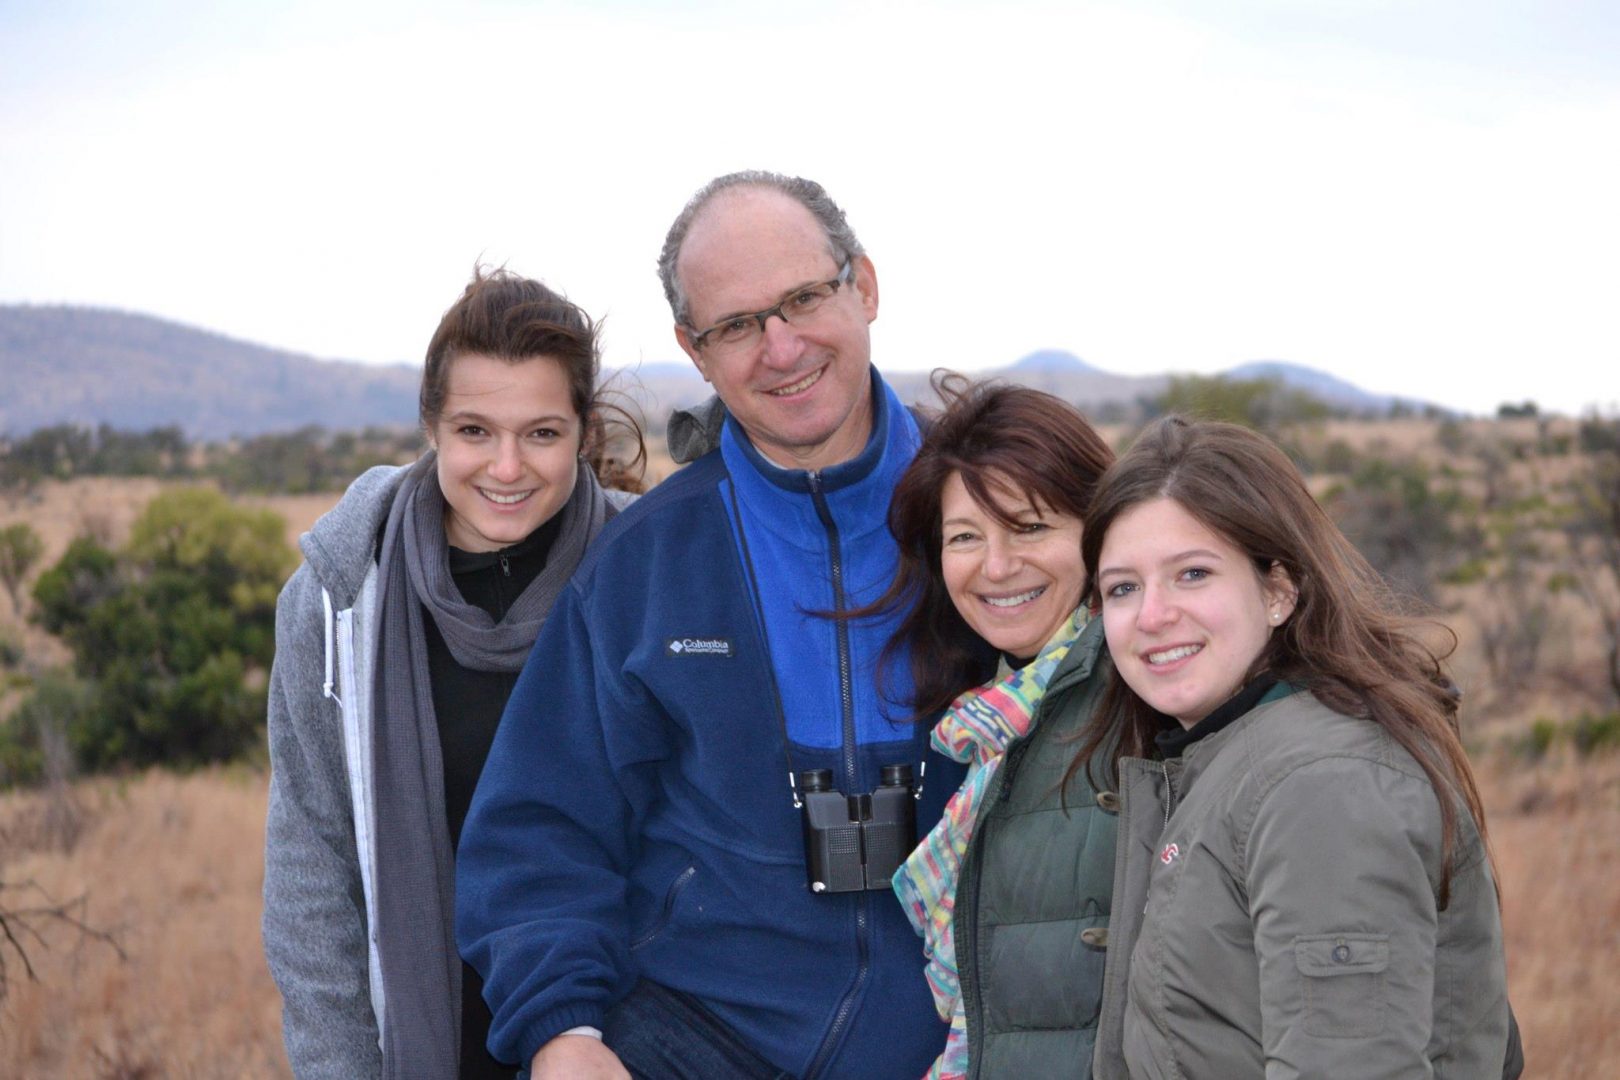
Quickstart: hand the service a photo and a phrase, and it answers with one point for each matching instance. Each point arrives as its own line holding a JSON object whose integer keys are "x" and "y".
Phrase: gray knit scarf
{"x": 415, "y": 886}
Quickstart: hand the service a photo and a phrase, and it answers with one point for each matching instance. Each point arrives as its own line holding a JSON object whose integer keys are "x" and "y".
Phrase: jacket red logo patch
{"x": 1168, "y": 855}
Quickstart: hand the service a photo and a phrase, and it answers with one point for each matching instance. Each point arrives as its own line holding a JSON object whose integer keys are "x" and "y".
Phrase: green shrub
{"x": 1539, "y": 739}
{"x": 1562, "y": 581}
{"x": 1265, "y": 404}
{"x": 1595, "y": 734}
{"x": 172, "y": 634}
{"x": 11, "y": 650}
{"x": 1599, "y": 436}
{"x": 20, "y": 549}
{"x": 1414, "y": 531}
{"x": 59, "y": 706}
{"x": 1467, "y": 573}
{"x": 1339, "y": 457}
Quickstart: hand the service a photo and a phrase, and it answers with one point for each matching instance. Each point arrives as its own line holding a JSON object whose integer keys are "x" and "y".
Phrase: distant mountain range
{"x": 1322, "y": 386}
{"x": 136, "y": 372}
{"x": 81, "y": 365}
{"x": 663, "y": 386}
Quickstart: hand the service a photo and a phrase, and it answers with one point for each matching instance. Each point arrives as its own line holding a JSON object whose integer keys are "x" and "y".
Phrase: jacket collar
{"x": 1198, "y": 756}
{"x": 842, "y": 475}
{"x": 1082, "y": 659}
{"x": 855, "y": 494}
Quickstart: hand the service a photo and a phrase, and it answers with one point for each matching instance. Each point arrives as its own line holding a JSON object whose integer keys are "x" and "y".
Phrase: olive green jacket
{"x": 1289, "y": 866}
{"x": 1037, "y": 874}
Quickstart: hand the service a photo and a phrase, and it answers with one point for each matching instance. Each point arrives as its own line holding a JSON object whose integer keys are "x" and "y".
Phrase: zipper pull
{"x": 506, "y": 566}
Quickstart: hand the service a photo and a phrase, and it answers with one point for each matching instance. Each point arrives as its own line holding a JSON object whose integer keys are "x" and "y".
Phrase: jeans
{"x": 662, "y": 1034}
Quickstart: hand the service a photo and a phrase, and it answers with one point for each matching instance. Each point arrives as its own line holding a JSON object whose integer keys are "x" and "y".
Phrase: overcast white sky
{"x": 1418, "y": 197}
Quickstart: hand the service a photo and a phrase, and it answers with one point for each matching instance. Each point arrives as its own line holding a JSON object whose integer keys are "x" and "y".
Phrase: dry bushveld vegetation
{"x": 171, "y": 867}
{"x": 1553, "y": 830}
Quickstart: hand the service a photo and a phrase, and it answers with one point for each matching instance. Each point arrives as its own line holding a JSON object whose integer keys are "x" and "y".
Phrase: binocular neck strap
{"x": 770, "y": 666}
{"x": 765, "y": 639}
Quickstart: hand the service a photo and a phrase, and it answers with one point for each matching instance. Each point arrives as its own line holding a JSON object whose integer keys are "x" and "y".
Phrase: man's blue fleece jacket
{"x": 635, "y": 818}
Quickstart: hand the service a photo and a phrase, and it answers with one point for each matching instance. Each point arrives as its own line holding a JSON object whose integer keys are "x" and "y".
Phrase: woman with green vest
{"x": 1006, "y": 888}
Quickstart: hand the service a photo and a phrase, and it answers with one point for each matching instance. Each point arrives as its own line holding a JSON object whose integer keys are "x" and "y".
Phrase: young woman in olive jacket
{"x": 1303, "y": 886}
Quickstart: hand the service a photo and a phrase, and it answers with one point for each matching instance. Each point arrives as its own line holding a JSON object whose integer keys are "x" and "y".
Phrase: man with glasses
{"x": 677, "y": 861}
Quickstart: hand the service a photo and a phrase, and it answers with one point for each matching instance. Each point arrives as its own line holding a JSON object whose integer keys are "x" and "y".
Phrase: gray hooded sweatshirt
{"x": 320, "y": 889}
{"x": 318, "y": 899}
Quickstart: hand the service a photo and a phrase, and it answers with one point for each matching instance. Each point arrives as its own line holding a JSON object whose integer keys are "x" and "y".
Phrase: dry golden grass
{"x": 1555, "y": 829}
{"x": 173, "y": 867}
{"x": 659, "y": 465}
{"x": 106, "y": 506}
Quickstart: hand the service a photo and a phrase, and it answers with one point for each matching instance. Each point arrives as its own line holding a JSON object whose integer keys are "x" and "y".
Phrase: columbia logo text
{"x": 698, "y": 646}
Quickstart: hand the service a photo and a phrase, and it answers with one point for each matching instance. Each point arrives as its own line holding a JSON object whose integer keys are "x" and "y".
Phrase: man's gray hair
{"x": 841, "y": 241}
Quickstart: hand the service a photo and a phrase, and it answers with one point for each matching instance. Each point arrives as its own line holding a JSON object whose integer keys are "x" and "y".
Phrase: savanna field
{"x": 135, "y": 896}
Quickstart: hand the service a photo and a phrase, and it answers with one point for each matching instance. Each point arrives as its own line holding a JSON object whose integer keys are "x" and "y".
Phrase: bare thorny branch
{"x": 1595, "y": 550}
{"x": 22, "y": 928}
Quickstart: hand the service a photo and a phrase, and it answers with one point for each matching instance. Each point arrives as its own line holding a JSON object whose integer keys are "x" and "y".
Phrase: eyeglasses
{"x": 742, "y": 332}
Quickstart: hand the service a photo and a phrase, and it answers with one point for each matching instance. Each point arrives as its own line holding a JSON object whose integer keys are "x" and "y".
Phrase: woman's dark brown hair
{"x": 994, "y": 435}
{"x": 1346, "y": 640}
{"x": 517, "y": 319}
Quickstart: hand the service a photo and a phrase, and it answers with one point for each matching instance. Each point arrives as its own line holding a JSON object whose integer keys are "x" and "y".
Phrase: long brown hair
{"x": 992, "y": 434}
{"x": 1347, "y": 641}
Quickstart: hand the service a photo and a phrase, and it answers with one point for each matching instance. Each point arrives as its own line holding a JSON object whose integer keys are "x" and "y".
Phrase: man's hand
{"x": 576, "y": 1057}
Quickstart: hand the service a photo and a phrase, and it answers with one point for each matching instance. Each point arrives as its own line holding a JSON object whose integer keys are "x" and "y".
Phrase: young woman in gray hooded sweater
{"x": 397, "y": 644}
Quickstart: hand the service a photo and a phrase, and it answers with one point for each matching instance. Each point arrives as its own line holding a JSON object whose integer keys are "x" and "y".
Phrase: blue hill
{"x": 1052, "y": 361}
{"x": 1319, "y": 384}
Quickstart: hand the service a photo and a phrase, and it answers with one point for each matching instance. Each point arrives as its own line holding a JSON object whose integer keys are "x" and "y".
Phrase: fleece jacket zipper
{"x": 863, "y": 902}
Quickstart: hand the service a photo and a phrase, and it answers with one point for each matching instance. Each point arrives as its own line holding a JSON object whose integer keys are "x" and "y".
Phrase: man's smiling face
{"x": 801, "y": 391}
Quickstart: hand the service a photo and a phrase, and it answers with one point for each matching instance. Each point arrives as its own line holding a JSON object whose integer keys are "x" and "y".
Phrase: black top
{"x": 1174, "y": 739}
{"x": 467, "y": 705}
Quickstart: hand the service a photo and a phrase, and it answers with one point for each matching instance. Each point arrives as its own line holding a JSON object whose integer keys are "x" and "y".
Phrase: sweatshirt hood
{"x": 341, "y": 548}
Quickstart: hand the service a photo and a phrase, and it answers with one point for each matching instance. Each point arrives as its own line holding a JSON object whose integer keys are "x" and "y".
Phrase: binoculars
{"x": 855, "y": 842}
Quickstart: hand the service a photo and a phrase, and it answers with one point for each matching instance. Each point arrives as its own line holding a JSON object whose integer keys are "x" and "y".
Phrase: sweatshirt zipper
{"x": 502, "y": 583}
{"x": 846, "y": 690}
{"x": 847, "y": 700}
{"x": 1169, "y": 808}
{"x": 1169, "y": 796}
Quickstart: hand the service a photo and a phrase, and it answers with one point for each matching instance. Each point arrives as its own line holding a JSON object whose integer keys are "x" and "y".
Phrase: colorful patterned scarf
{"x": 975, "y": 729}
